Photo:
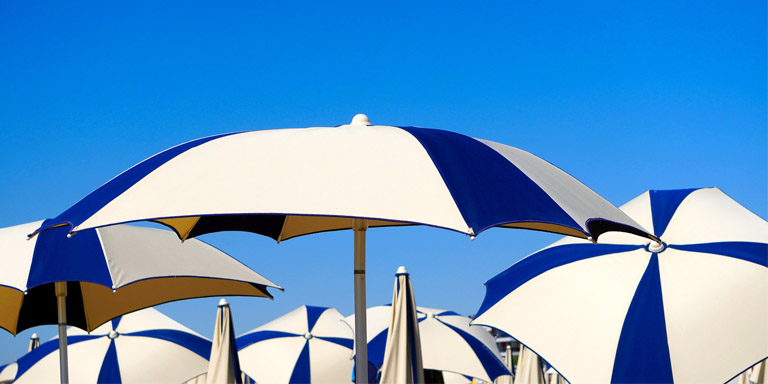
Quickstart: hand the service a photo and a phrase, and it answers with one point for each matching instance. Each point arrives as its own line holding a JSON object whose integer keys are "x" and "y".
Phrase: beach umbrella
{"x": 307, "y": 345}
{"x": 509, "y": 364}
{"x": 224, "y": 365}
{"x": 8, "y": 372}
{"x": 291, "y": 182}
{"x": 140, "y": 347}
{"x": 646, "y": 312}
{"x": 448, "y": 342}
{"x": 34, "y": 342}
{"x": 402, "y": 353}
{"x": 99, "y": 274}
{"x": 529, "y": 370}
{"x": 759, "y": 374}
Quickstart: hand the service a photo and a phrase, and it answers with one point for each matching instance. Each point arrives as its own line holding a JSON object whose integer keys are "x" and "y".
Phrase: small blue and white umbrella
{"x": 646, "y": 312}
{"x": 141, "y": 347}
{"x": 448, "y": 343}
{"x": 307, "y": 345}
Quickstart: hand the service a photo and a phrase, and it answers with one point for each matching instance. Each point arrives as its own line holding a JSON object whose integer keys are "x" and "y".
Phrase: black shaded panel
{"x": 267, "y": 225}
{"x": 39, "y": 307}
{"x": 597, "y": 227}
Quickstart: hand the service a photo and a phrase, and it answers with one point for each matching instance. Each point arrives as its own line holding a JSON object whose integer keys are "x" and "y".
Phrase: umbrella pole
{"x": 361, "y": 334}
{"x": 61, "y": 304}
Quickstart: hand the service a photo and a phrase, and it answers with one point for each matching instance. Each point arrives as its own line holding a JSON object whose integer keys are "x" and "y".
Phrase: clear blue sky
{"x": 626, "y": 96}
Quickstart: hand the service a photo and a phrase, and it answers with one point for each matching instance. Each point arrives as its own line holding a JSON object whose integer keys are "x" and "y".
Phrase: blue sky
{"x": 626, "y": 96}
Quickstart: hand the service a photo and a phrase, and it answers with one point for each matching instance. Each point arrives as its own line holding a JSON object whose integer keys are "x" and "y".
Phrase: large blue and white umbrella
{"x": 103, "y": 273}
{"x": 307, "y": 345}
{"x": 448, "y": 343}
{"x": 291, "y": 182}
{"x": 142, "y": 347}
{"x": 646, "y": 312}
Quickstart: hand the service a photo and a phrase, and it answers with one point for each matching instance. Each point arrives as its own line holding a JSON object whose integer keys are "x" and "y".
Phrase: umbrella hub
{"x": 655, "y": 247}
{"x": 360, "y": 119}
{"x": 308, "y": 336}
{"x": 431, "y": 315}
{"x": 113, "y": 334}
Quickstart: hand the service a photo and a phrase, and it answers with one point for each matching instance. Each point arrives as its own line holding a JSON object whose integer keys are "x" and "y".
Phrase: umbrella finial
{"x": 360, "y": 119}
{"x": 223, "y": 303}
{"x": 401, "y": 271}
{"x": 34, "y": 336}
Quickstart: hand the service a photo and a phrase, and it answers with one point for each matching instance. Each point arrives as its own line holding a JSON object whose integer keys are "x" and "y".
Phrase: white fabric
{"x": 221, "y": 364}
{"x": 508, "y": 362}
{"x": 273, "y": 360}
{"x": 8, "y": 373}
{"x": 17, "y": 254}
{"x": 402, "y": 354}
{"x": 529, "y": 370}
{"x": 759, "y": 374}
{"x": 141, "y": 359}
{"x": 334, "y": 171}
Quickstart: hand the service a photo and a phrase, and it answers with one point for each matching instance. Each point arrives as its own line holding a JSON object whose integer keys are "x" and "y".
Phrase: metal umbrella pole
{"x": 361, "y": 334}
{"x": 61, "y": 304}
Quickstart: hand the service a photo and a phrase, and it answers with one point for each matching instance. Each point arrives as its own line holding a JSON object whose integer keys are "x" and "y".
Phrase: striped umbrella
{"x": 646, "y": 312}
{"x": 141, "y": 347}
{"x": 307, "y": 345}
{"x": 291, "y": 182}
{"x": 99, "y": 274}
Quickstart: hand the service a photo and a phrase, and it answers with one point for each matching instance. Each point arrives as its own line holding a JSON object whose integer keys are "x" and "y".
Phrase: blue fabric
{"x": 116, "y": 322}
{"x": 97, "y": 199}
{"x": 642, "y": 355}
{"x": 58, "y": 258}
{"x": 349, "y": 343}
{"x": 487, "y": 188}
{"x": 245, "y": 340}
{"x": 663, "y": 207}
{"x": 376, "y": 348}
{"x": 313, "y": 313}
{"x": 110, "y": 368}
{"x": 27, "y": 361}
{"x": 753, "y": 252}
{"x": 196, "y": 344}
{"x": 301, "y": 371}
{"x": 491, "y": 363}
{"x": 534, "y": 265}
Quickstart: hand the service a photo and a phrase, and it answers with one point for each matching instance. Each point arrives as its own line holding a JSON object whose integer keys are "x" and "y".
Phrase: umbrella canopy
{"x": 448, "y": 342}
{"x": 402, "y": 354}
{"x": 291, "y": 182}
{"x": 8, "y": 372}
{"x": 102, "y": 273}
{"x": 307, "y": 345}
{"x": 224, "y": 365}
{"x": 529, "y": 369}
{"x": 141, "y": 347}
{"x": 646, "y": 312}
{"x": 109, "y": 272}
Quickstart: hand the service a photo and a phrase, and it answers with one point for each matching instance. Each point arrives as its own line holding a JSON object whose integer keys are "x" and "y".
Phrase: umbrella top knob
{"x": 401, "y": 271}
{"x": 34, "y": 336}
{"x": 223, "y": 303}
{"x": 656, "y": 247}
{"x": 307, "y": 335}
{"x": 431, "y": 315}
{"x": 113, "y": 334}
{"x": 360, "y": 119}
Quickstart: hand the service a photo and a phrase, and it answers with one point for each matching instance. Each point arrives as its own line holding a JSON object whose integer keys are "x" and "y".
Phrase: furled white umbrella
{"x": 141, "y": 347}
{"x": 759, "y": 374}
{"x": 509, "y": 364}
{"x": 290, "y": 182}
{"x": 529, "y": 369}
{"x": 307, "y": 345}
{"x": 34, "y": 342}
{"x": 97, "y": 275}
{"x": 646, "y": 312}
{"x": 224, "y": 365}
{"x": 448, "y": 343}
{"x": 402, "y": 354}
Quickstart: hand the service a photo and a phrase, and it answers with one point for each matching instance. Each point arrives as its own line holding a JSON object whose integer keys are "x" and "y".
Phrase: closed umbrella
{"x": 509, "y": 364}
{"x": 646, "y": 312}
{"x": 402, "y": 354}
{"x": 141, "y": 347}
{"x": 99, "y": 274}
{"x": 34, "y": 342}
{"x": 224, "y": 365}
{"x": 529, "y": 369}
{"x": 290, "y": 182}
{"x": 307, "y": 345}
